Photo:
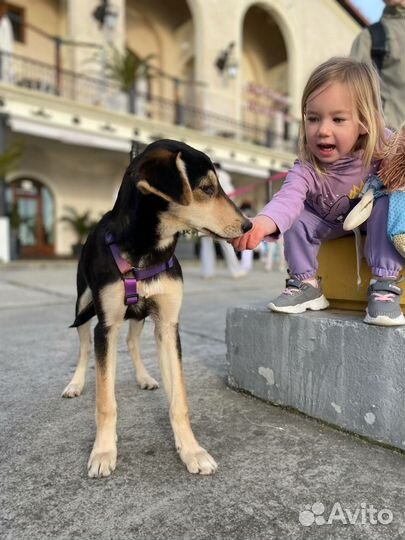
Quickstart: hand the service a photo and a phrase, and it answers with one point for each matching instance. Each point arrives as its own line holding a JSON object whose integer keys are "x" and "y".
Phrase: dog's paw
{"x": 102, "y": 464}
{"x": 198, "y": 461}
{"x": 72, "y": 390}
{"x": 146, "y": 382}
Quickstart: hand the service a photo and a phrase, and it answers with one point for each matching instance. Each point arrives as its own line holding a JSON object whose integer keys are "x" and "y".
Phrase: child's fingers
{"x": 255, "y": 237}
{"x": 249, "y": 240}
{"x": 236, "y": 242}
{"x": 253, "y": 241}
{"x": 239, "y": 243}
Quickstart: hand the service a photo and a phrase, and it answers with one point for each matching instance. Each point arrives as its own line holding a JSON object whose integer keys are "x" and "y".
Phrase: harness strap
{"x": 138, "y": 274}
{"x": 379, "y": 46}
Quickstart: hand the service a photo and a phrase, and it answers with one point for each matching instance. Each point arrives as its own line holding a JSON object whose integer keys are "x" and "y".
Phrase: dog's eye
{"x": 208, "y": 190}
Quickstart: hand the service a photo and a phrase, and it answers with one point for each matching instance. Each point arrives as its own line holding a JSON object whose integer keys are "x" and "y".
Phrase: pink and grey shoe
{"x": 299, "y": 296}
{"x": 384, "y": 309}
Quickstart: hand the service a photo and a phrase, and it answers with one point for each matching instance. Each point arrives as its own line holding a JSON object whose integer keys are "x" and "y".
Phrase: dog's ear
{"x": 164, "y": 174}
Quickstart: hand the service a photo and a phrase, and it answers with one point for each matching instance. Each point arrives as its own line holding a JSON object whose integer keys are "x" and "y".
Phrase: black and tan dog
{"x": 168, "y": 188}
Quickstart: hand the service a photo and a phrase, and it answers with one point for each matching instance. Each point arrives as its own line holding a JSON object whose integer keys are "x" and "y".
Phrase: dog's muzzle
{"x": 247, "y": 226}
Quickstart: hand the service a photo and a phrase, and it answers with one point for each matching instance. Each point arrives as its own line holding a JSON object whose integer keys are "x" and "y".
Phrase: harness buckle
{"x": 131, "y": 291}
{"x": 131, "y": 299}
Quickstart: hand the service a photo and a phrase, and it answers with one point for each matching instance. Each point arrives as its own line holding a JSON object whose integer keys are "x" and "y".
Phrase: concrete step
{"x": 328, "y": 365}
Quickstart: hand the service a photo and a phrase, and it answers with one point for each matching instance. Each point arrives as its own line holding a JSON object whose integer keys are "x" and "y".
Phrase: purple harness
{"x": 131, "y": 292}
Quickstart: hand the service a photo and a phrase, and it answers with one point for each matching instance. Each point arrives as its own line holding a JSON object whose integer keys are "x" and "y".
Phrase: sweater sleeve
{"x": 361, "y": 47}
{"x": 288, "y": 203}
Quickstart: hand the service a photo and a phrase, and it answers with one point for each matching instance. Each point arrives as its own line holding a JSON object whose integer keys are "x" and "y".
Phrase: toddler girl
{"x": 341, "y": 141}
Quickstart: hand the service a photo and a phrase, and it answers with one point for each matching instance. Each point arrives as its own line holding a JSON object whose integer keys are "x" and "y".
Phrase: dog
{"x": 127, "y": 270}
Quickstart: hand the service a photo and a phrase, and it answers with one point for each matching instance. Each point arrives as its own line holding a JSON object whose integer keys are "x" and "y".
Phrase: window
{"x": 17, "y": 18}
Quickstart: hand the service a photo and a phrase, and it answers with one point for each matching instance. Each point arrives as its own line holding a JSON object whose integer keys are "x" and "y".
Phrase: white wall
{"x": 85, "y": 178}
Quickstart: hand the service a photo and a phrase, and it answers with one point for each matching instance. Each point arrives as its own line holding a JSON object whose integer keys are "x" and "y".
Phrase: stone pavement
{"x": 278, "y": 471}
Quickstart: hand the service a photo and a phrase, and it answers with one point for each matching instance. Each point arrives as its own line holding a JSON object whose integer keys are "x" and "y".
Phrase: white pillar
{"x": 83, "y": 27}
{"x": 4, "y": 239}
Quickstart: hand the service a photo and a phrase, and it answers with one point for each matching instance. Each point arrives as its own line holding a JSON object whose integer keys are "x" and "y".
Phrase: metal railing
{"x": 24, "y": 72}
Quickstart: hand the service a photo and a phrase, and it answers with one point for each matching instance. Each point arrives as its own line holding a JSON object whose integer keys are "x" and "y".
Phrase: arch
{"x": 197, "y": 17}
{"x": 268, "y": 60}
{"x": 165, "y": 29}
{"x": 31, "y": 208}
{"x": 282, "y": 20}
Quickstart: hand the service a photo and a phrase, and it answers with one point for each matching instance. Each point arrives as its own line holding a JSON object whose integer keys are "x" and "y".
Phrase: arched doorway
{"x": 164, "y": 30}
{"x": 265, "y": 70}
{"x": 32, "y": 218}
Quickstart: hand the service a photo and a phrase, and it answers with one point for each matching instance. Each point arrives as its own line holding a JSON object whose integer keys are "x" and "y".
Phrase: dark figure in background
{"x": 383, "y": 44}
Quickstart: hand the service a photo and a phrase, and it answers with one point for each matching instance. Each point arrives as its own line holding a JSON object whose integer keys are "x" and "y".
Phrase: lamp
{"x": 226, "y": 63}
{"x": 105, "y": 15}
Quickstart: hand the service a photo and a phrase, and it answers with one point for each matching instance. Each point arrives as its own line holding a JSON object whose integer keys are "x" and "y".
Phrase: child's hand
{"x": 262, "y": 226}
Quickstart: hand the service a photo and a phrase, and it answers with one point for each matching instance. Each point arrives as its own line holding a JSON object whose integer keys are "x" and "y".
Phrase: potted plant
{"x": 9, "y": 158}
{"x": 81, "y": 224}
{"x": 127, "y": 69}
{"x": 15, "y": 223}
{"x": 8, "y": 161}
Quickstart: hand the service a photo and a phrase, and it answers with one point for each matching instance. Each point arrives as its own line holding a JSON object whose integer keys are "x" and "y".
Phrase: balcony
{"x": 106, "y": 94}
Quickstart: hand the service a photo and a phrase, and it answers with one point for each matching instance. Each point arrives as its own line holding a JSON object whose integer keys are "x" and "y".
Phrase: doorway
{"x": 32, "y": 220}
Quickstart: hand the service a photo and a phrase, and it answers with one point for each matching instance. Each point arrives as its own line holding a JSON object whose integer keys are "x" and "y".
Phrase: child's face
{"x": 331, "y": 123}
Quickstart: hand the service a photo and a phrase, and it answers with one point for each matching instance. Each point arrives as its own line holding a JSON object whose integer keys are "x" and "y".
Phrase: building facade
{"x": 225, "y": 77}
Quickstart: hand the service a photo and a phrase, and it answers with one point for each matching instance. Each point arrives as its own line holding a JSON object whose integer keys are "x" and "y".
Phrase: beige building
{"x": 224, "y": 76}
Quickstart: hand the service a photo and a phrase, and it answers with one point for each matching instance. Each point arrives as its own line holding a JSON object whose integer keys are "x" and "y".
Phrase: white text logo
{"x": 363, "y": 514}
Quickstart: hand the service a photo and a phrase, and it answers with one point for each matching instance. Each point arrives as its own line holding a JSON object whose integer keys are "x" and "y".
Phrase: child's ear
{"x": 363, "y": 129}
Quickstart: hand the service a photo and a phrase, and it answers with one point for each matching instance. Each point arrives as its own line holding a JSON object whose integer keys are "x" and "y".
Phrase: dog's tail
{"x": 85, "y": 315}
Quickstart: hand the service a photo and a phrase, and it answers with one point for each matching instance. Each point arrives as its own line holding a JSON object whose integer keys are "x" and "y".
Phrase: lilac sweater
{"x": 327, "y": 196}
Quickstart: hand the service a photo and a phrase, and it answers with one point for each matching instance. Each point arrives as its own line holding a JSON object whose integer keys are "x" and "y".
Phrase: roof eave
{"x": 354, "y": 12}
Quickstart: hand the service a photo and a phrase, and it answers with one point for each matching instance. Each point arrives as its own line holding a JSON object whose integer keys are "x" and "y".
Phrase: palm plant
{"x": 126, "y": 68}
{"x": 80, "y": 223}
{"x": 9, "y": 158}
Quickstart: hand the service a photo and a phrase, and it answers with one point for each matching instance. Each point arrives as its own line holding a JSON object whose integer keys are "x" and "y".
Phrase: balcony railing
{"x": 42, "y": 77}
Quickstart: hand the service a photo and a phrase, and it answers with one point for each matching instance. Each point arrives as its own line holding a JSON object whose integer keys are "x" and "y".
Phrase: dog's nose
{"x": 246, "y": 226}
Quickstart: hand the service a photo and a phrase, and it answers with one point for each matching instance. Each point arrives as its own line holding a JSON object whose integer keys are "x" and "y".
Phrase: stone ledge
{"x": 328, "y": 365}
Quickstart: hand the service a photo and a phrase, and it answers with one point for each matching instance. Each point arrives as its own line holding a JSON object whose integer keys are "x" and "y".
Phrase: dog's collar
{"x": 130, "y": 283}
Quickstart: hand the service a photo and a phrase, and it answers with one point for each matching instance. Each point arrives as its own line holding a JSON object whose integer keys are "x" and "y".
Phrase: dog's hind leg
{"x": 75, "y": 387}
{"x": 196, "y": 459}
{"x": 144, "y": 380}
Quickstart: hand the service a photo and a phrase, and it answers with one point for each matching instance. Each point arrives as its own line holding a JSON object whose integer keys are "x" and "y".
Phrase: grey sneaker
{"x": 384, "y": 308}
{"x": 298, "y": 297}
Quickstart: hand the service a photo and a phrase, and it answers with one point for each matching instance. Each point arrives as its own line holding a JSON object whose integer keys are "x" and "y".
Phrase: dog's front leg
{"x": 144, "y": 380}
{"x": 103, "y": 457}
{"x": 196, "y": 459}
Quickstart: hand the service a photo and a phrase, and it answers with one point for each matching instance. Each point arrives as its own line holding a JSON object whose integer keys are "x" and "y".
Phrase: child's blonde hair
{"x": 362, "y": 82}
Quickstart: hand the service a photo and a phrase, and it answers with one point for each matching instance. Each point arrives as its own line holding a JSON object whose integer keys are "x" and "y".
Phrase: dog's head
{"x": 186, "y": 179}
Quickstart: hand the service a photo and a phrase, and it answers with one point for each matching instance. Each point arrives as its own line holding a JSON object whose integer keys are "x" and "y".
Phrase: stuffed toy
{"x": 390, "y": 182}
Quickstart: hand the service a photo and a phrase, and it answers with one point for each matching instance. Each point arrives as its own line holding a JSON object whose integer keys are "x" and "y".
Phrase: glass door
{"x": 31, "y": 213}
